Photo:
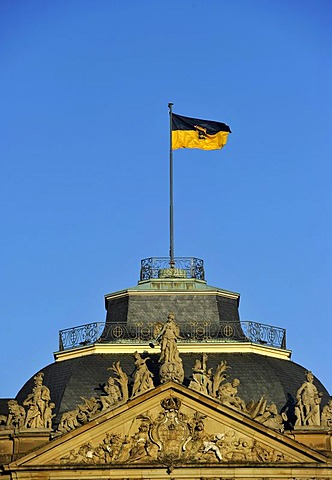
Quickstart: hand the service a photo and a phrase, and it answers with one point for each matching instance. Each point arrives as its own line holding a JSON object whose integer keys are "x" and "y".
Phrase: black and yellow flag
{"x": 195, "y": 133}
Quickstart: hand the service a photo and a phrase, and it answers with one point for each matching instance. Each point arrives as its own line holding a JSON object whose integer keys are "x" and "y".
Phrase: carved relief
{"x": 170, "y": 430}
{"x": 200, "y": 442}
{"x": 171, "y": 363}
{"x": 307, "y": 408}
{"x": 171, "y": 437}
{"x": 113, "y": 395}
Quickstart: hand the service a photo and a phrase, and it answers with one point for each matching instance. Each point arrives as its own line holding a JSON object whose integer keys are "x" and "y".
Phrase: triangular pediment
{"x": 170, "y": 424}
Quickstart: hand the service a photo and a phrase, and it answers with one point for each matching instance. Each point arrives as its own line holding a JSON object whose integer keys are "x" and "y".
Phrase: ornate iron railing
{"x": 80, "y": 336}
{"x": 264, "y": 334}
{"x": 139, "y": 332}
{"x": 184, "y": 267}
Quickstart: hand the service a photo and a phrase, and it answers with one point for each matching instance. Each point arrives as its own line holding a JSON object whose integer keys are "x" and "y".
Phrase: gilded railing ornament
{"x": 191, "y": 332}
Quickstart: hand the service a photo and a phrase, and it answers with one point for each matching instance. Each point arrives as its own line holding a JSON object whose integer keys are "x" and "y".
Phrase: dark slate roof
{"x": 218, "y": 310}
{"x": 275, "y": 379}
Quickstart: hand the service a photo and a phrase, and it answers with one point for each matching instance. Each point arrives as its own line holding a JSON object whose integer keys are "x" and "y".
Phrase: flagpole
{"x": 171, "y": 220}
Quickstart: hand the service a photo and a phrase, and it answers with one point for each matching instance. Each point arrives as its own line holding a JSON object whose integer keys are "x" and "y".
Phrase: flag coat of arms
{"x": 190, "y": 132}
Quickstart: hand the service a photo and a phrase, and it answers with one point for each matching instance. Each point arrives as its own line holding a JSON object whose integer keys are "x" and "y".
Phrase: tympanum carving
{"x": 173, "y": 436}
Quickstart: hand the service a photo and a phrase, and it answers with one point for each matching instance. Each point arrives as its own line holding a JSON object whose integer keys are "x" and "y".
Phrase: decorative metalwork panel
{"x": 80, "y": 336}
{"x": 139, "y": 332}
{"x": 184, "y": 267}
{"x": 265, "y": 334}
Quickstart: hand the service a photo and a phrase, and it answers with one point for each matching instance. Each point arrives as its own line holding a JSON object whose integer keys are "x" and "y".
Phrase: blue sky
{"x": 84, "y": 162}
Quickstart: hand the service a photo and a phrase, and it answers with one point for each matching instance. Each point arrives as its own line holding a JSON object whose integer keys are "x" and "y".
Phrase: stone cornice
{"x": 213, "y": 347}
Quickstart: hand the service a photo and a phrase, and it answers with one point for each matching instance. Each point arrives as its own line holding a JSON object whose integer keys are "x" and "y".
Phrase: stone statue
{"x": 327, "y": 415}
{"x": 37, "y": 403}
{"x": 168, "y": 336}
{"x": 48, "y": 415}
{"x": 90, "y": 407}
{"x": 204, "y": 380}
{"x": 271, "y": 418}
{"x": 201, "y": 381}
{"x": 113, "y": 394}
{"x": 227, "y": 395}
{"x": 68, "y": 421}
{"x": 16, "y": 417}
{"x": 212, "y": 445}
{"x": 143, "y": 376}
{"x": 171, "y": 368}
{"x": 307, "y": 408}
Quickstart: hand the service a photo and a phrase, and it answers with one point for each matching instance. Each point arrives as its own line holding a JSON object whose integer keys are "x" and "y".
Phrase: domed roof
{"x": 70, "y": 381}
{"x": 208, "y": 321}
